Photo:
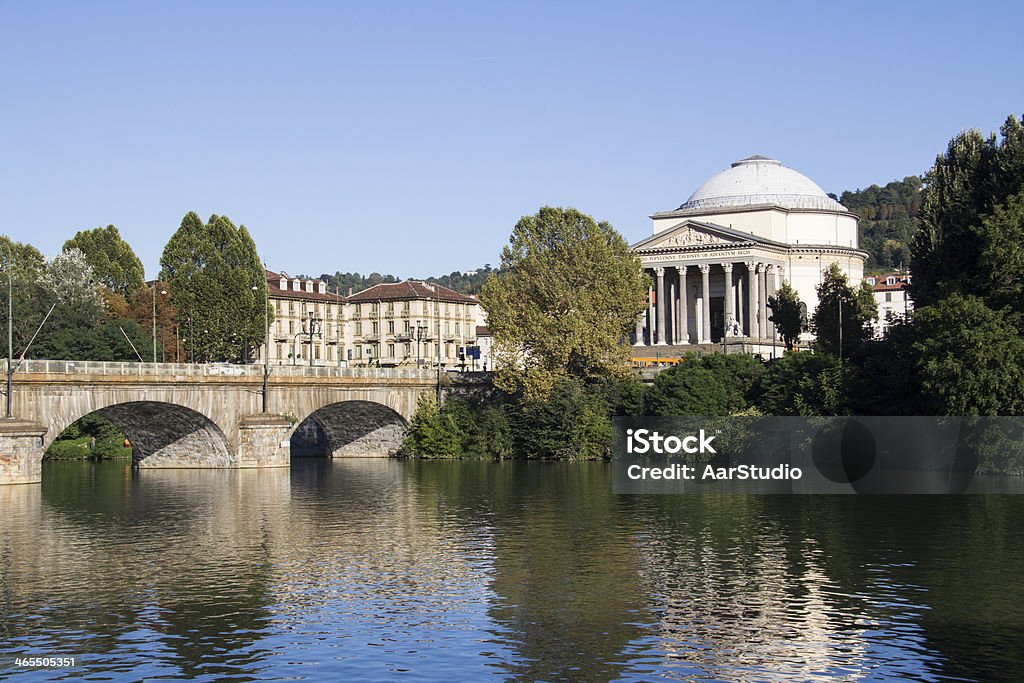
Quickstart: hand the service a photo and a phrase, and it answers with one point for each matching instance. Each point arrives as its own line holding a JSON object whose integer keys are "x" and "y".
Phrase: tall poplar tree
{"x": 112, "y": 259}
{"x": 969, "y": 181}
{"x": 211, "y": 269}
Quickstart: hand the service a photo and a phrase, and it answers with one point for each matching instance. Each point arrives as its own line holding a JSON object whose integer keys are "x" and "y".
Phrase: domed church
{"x": 716, "y": 259}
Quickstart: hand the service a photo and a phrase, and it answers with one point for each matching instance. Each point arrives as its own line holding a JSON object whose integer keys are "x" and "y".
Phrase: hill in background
{"x": 888, "y": 219}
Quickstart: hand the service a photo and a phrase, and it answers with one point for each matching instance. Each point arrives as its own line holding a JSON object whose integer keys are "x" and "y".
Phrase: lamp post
{"x": 314, "y": 327}
{"x": 266, "y": 350}
{"x": 421, "y": 333}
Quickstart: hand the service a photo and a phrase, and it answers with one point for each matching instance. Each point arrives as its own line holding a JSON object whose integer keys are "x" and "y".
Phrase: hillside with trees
{"x": 469, "y": 282}
{"x": 888, "y": 219}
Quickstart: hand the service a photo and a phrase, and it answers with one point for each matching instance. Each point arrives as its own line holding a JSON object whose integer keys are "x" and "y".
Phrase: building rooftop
{"x": 410, "y": 289}
{"x": 274, "y": 287}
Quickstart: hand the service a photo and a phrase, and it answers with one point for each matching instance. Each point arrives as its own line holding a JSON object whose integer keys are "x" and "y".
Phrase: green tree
{"x": 787, "y": 314}
{"x": 1002, "y": 254}
{"x": 570, "y": 423}
{"x": 21, "y": 258}
{"x": 433, "y": 432}
{"x": 969, "y": 358}
{"x": 211, "y": 269}
{"x": 967, "y": 183}
{"x": 563, "y": 303}
{"x": 115, "y": 264}
{"x": 805, "y": 384}
{"x": 715, "y": 384}
{"x": 838, "y": 301}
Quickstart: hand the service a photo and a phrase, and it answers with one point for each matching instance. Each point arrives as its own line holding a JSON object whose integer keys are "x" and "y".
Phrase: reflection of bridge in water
{"x": 210, "y": 416}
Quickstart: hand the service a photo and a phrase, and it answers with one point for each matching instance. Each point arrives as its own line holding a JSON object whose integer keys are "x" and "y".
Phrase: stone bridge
{"x": 210, "y": 416}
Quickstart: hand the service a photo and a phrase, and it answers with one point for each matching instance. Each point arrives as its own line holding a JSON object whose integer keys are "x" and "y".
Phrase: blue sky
{"x": 409, "y": 137}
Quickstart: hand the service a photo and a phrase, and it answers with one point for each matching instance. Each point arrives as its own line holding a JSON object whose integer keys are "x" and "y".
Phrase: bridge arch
{"x": 350, "y": 429}
{"x": 167, "y": 435}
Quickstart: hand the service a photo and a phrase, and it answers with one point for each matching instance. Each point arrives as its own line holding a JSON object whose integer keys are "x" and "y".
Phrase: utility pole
{"x": 10, "y": 333}
{"x": 840, "y": 327}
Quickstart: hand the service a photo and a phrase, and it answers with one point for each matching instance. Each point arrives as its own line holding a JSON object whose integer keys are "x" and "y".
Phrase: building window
{"x": 391, "y": 350}
{"x": 391, "y": 307}
{"x": 405, "y": 327}
{"x": 391, "y": 327}
{"x": 359, "y": 328}
{"x": 291, "y": 327}
{"x": 408, "y": 349}
{"x": 888, "y": 297}
{"x": 375, "y": 328}
{"x": 456, "y": 329}
{"x": 890, "y": 280}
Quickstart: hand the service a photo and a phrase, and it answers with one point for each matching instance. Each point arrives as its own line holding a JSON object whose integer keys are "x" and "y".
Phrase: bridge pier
{"x": 263, "y": 441}
{"x": 21, "y": 451}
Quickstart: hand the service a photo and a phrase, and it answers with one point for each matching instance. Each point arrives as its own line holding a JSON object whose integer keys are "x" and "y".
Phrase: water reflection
{"x": 530, "y": 571}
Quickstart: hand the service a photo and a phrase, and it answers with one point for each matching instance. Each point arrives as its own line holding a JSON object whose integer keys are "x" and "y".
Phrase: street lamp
{"x": 421, "y": 334}
{"x": 313, "y": 327}
{"x": 266, "y": 350}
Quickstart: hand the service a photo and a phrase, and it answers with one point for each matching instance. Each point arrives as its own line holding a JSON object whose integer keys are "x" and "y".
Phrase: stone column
{"x": 752, "y": 298}
{"x": 673, "y": 326}
{"x": 727, "y": 267}
{"x": 660, "y": 302}
{"x": 705, "y": 300}
{"x": 740, "y": 316}
{"x": 683, "y": 336}
{"x": 650, "y": 315}
{"x": 762, "y": 300}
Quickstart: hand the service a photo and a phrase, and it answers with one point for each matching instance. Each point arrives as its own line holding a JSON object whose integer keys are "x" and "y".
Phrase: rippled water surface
{"x": 370, "y": 569}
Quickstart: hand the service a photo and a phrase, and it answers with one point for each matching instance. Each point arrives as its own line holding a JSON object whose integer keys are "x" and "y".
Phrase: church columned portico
{"x": 699, "y": 303}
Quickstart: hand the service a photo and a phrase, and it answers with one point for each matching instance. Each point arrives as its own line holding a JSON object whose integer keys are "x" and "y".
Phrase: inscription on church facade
{"x": 695, "y": 256}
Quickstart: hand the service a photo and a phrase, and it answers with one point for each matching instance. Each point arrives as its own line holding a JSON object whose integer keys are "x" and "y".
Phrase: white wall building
{"x": 716, "y": 259}
{"x": 892, "y": 298}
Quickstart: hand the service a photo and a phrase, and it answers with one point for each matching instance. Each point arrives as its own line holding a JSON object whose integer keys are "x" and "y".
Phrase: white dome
{"x": 757, "y": 181}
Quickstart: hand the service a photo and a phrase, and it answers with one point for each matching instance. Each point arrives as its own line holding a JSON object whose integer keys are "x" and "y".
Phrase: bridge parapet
{"x": 212, "y": 370}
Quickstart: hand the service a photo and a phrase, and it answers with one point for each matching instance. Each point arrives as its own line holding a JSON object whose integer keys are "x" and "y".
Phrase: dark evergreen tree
{"x": 787, "y": 314}
{"x": 844, "y": 308}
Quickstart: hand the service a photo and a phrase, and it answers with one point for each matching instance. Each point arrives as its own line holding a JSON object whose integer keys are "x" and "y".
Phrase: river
{"x": 368, "y": 569}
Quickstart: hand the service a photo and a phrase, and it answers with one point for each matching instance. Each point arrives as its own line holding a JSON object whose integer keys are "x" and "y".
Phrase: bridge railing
{"x": 123, "y": 368}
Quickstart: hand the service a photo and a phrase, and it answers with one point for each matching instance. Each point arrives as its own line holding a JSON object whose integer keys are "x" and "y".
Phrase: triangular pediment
{"x": 694, "y": 234}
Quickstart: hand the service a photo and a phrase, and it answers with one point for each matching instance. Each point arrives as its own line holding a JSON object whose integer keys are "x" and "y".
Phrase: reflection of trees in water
{"x": 565, "y": 573}
{"x": 959, "y": 557}
{"x": 781, "y": 587}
